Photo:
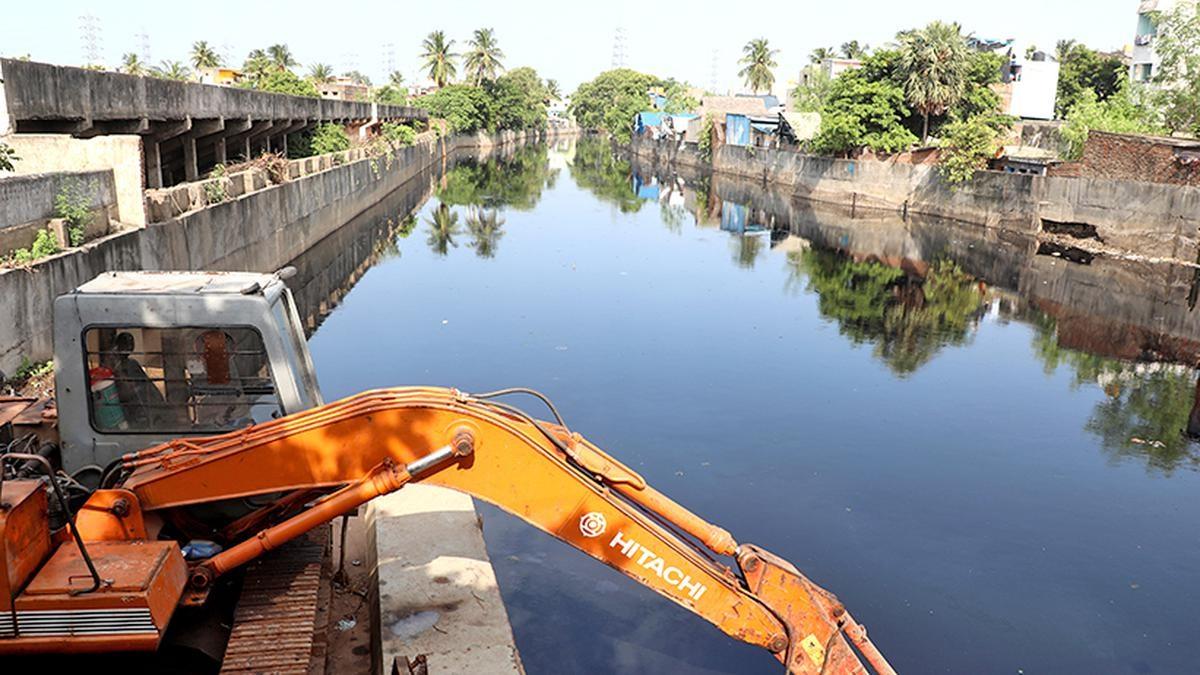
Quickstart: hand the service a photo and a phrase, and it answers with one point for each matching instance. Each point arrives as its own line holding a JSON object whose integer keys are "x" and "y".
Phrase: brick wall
{"x": 1146, "y": 159}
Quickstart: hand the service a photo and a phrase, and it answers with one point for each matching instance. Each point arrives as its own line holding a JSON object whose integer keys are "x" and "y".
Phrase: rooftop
{"x": 175, "y": 283}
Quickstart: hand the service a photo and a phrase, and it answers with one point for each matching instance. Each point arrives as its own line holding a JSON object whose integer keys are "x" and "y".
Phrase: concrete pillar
{"x": 283, "y": 144}
{"x": 154, "y": 177}
{"x": 191, "y": 171}
{"x": 219, "y": 151}
{"x": 246, "y": 148}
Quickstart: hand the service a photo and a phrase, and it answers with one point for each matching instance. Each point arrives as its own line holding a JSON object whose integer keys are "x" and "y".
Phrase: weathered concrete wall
{"x": 27, "y": 202}
{"x": 1146, "y": 218}
{"x": 260, "y": 231}
{"x": 45, "y": 153}
{"x": 40, "y": 91}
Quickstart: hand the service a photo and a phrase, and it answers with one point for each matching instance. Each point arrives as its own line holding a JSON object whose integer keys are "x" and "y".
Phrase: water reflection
{"x": 486, "y": 227}
{"x": 443, "y": 228}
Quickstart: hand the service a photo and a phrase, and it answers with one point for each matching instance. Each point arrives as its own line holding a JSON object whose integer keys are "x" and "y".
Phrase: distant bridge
{"x": 186, "y": 128}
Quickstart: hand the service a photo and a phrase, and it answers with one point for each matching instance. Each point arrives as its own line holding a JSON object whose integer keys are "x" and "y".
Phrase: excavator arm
{"x": 376, "y": 442}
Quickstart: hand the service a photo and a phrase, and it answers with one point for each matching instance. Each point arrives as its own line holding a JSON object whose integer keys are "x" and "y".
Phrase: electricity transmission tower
{"x": 618, "y": 50}
{"x": 143, "y": 40}
{"x": 89, "y": 34}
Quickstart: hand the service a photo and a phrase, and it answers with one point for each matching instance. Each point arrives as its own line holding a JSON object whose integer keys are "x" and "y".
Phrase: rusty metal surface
{"x": 280, "y": 622}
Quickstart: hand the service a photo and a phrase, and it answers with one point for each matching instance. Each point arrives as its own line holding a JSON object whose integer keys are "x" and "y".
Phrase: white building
{"x": 1145, "y": 61}
{"x": 1032, "y": 87}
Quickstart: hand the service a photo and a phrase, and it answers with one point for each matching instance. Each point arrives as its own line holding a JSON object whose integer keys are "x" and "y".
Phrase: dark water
{"x": 980, "y": 449}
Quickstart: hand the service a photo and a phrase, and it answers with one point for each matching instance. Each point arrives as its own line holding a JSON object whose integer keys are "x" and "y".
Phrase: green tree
{"x": 132, "y": 65}
{"x": 1063, "y": 49}
{"x": 257, "y": 66}
{"x": 853, "y": 50}
{"x": 327, "y": 138}
{"x": 513, "y": 181}
{"x": 320, "y": 73}
{"x": 679, "y": 97}
{"x": 758, "y": 63}
{"x": 864, "y": 107}
{"x": 482, "y": 61}
{"x": 812, "y": 92}
{"x": 443, "y": 228}
{"x": 173, "y": 70}
{"x": 281, "y": 57}
{"x": 467, "y": 108}
{"x": 1082, "y": 69}
{"x": 1177, "y": 42}
{"x": 610, "y": 100}
{"x": 553, "y": 91}
{"x": 1121, "y": 113}
{"x": 438, "y": 59}
{"x": 966, "y": 146}
{"x": 391, "y": 95}
{"x": 933, "y": 66}
{"x": 597, "y": 169}
{"x": 357, "y": 78}
{"x": 820, "y": 54}
{"x": 286, "y": 82}
{"x": 396, "y": 79}
{"x": 7, "y": 157}
{"x": 204, "y": 56}
{"x": 518, "y": 100}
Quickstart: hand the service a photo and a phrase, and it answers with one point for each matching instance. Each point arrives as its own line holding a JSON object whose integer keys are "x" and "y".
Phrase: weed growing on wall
{"x": 216, "y": 190}
{"x": 44, "y": 244}
{"x": 73, "y": 203}
{"x": 7, "y": 157}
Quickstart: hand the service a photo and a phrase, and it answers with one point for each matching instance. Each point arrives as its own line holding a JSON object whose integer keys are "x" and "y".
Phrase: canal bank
{"x": 1127, "y": 217}
{"x": 258, "y": 231}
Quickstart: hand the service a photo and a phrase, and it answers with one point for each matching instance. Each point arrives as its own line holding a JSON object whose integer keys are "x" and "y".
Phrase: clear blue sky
{"x": 568, "y": 42}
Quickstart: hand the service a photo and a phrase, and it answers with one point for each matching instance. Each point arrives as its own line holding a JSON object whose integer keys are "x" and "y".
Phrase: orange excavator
{"x": 113, "y": 572}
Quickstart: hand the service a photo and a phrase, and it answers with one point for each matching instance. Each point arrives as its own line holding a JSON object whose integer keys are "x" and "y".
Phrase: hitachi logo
{"x": 653, "y": 562}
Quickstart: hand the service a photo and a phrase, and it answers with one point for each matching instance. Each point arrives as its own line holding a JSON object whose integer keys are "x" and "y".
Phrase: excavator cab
{"x": 144, "y": 357}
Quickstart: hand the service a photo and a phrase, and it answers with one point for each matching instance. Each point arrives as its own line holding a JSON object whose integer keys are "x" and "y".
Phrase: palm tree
{"x": 357, "y": 77}
{"x": 438, "y": 59}
{"x": 281, "y": 57}
{"x": 486, "y": 227}
{"x": 1063, "y": 49}
{"x": 173, "y": 70}
{"x": 482, "y": 62}
{"x": 204, "y": 56}
{"x": 257, "y": 65}
{"x": 933, "y": 67}
{"x": 396, "y": 78}
{"x": 443, "y": 227}
{"x": 819, "y": 54}
{"x": 132, "y": 65}
{"x": 853, "y": 50}
{"x": 320, "y": 73}
{"x": 758, "y": 59}
{"x": 553, "y": 91}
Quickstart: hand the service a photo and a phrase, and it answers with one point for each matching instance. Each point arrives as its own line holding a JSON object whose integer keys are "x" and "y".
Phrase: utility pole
{"x": 89, "y": 33}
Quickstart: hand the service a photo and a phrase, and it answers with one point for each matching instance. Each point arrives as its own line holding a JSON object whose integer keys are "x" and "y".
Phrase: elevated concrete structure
{"x": 186, "y": 128}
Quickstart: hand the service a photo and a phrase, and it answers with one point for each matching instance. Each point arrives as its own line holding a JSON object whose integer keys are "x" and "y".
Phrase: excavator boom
{"x": 376, "y": 442}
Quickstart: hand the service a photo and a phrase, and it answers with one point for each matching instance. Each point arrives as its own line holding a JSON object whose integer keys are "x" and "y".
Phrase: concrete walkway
{"x": 437, "y": 591}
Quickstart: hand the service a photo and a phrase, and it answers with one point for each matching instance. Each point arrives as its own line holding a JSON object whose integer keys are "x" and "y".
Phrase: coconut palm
{"x": 482, "y": 62}
{"x": 553, "y": 91}
{"x": 819, "y": 54}
{"x": 438, "y": 60}
{"x": 173, "y": 70}
{"x": 933, "y": 66}
{"x": 853, "y": 50}
{"x": 758, "y": 59}
{"x": 357, "y": 78}
{"x": 1063, "y": 49}
{"x": 396, "y": 78}
{"x": 258, "y": 65}
{"x": 281, "y": 57}
{"x": 320, "y": 73}
{"x": 204, "y": 56}
{"x": 132, "y": 65}
{"x": 443, "y": 228}
{"x": 486, "y": 227}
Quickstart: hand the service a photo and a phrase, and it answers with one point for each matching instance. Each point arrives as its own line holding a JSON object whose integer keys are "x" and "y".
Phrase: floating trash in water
{"x": 415, "y": 624}
{"x": 346, "y": 624}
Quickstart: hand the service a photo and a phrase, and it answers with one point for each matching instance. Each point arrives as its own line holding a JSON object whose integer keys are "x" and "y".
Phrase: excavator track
{"x": 281, "y": 621}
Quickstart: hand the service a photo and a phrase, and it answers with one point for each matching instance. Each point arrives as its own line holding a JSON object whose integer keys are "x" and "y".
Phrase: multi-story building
{"x": 1144, "y": 63}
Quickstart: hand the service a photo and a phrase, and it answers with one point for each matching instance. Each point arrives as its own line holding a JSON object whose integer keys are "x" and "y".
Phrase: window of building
{"x": 1142, "y": 72}
{"x": 1145, "y": 27}
{"x": 178, "y": 380}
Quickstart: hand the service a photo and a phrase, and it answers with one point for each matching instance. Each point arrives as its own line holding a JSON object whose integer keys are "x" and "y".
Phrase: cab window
{"x": 178, "y": 380}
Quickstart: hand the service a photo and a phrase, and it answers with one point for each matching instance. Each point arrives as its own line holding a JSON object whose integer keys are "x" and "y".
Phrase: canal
{"x": 977, "y": 441}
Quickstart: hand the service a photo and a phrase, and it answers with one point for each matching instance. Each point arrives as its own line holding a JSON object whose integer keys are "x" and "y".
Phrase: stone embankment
{"x": 1151, "y": 220}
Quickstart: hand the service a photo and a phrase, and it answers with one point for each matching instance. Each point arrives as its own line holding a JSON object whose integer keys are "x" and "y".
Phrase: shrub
{"x": 398, "y": 134}
{"x": 467, "y": 108}
{"x": 966, "y": 147}
{"x": 44, "y": 244}
{"x": 327, "y": 138}
{"x": 7, "y": 157}
{"x": 704, "y": 144}
{"x": 1120, "y": 113}
{"x": 216, "y": 189}
{"x": 73, "y": 203}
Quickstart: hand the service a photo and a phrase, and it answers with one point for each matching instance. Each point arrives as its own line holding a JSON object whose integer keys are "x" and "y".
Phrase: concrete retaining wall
{"x": 44, "y": 153}
{"x": 27, "y": 203}
{"x": 261, "y": 231}
{"x": 1145, "y": 218}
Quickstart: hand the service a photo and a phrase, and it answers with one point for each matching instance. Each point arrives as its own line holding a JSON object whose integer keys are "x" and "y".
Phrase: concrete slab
{"x": 438, "y": 594}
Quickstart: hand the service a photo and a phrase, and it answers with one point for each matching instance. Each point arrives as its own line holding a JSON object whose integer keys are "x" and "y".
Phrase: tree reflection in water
{"x": 443, "y": 227}
{"x": 907, "y": 318}
{"x": 598, "y": 170}
{"x": 486, "y": 227}
{"x": 1146, "y": 408}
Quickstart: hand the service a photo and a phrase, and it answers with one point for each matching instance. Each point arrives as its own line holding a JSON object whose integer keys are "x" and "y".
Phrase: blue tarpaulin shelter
{"x": 737, "y": 129}
{"x": 647, "y": 119}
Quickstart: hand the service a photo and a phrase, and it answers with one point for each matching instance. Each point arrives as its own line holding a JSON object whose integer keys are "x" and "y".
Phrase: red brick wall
{"x": 1139, "y": 158}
